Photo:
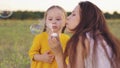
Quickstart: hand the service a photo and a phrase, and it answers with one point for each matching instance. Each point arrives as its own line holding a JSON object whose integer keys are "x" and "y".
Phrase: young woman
{"x": 92, "y": 45}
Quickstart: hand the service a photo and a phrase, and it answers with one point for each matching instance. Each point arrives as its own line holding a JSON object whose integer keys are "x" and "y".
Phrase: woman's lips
{"x": 66, "y": 24}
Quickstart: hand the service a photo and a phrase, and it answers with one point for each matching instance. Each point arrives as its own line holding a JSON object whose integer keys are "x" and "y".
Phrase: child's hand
{"x": 47, "y": 57}
{"x": 55, "y": 45}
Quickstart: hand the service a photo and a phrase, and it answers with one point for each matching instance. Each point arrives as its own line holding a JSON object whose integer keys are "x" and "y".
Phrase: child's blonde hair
{"x": 55, "y": 6}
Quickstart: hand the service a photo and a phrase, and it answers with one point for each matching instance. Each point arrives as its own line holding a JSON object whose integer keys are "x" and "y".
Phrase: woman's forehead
{"x": 77, "y": 8}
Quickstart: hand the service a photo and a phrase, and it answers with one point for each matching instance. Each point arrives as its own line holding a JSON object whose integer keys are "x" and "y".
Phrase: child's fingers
{"x": 51, "y": 42}
{"x": 54, "y": 40}
{"x": 48, "y": 52}
{"x": 51, "y": 56}
{"x": 51, "y": 60}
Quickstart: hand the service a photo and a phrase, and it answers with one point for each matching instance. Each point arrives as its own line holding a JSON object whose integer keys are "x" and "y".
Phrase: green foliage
{"x": 115, "y": 15}
{"x": 27, "y": 15}
{"x": 22, "y": 15}
{"x": 107, "y": 15}
{"x": 16, "y": 39}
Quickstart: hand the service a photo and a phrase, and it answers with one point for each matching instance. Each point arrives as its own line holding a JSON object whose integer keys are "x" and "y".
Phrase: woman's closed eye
{"x": 73, "y": 14}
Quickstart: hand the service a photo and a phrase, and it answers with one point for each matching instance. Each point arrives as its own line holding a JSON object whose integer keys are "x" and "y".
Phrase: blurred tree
{"x": 116, "y": 15}
{"x": 39, "y": 15}
{"x": 107, "y": 15}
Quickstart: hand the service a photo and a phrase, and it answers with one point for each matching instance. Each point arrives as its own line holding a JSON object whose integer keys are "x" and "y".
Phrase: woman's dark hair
{"x": 92, "y": 21}
{"x": 54, "y": 6}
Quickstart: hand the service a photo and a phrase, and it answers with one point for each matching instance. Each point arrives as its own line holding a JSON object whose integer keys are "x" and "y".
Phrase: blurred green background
{"x": 16, "y": 39}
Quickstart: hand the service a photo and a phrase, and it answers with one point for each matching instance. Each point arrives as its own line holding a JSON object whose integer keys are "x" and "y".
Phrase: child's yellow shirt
{"x": 40, "y": 46}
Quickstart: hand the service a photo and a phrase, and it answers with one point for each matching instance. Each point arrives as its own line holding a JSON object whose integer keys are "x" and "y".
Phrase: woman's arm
{"x": 60, "y": 61}
{"x": 81, "y": 53}
{"x": 79, "y": 56}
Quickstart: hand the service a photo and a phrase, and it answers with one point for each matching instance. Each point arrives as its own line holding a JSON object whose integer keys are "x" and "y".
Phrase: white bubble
{"x": 5, "y": 14}
{"x": 35, "y": 29}
{"x": 54, "y": 34}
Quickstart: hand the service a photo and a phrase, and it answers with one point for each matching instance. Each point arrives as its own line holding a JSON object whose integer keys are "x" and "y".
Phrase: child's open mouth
{"x": 54, "y": 27}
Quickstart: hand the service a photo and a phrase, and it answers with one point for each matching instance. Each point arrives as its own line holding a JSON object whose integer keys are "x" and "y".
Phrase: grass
{"x": 114, "y": 26}
{"x": 16, "y": 39}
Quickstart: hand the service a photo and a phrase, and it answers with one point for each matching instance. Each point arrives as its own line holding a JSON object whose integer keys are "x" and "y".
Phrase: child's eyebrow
{"x": 49, "y": 17}
{"x": 58, "y": 16}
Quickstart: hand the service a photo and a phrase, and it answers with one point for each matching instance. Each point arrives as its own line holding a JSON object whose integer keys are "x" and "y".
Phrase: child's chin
{"x": 54, "y": 31}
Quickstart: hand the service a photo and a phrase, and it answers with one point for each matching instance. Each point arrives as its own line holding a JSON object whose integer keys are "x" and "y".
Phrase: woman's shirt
{"x": 102, "y": 59}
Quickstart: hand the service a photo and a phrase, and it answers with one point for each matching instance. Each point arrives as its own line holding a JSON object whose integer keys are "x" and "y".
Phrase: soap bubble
{"x": 35, "y": 29}
{"x": 5, "y": 14}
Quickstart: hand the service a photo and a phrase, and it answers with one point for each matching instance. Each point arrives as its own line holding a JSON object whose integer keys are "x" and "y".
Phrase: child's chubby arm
{"x": 35, "y": 54}
{"x": 46, "y": 57}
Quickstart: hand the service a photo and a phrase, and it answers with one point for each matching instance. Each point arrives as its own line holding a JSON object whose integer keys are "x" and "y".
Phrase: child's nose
{"x": 54, "y": 22}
